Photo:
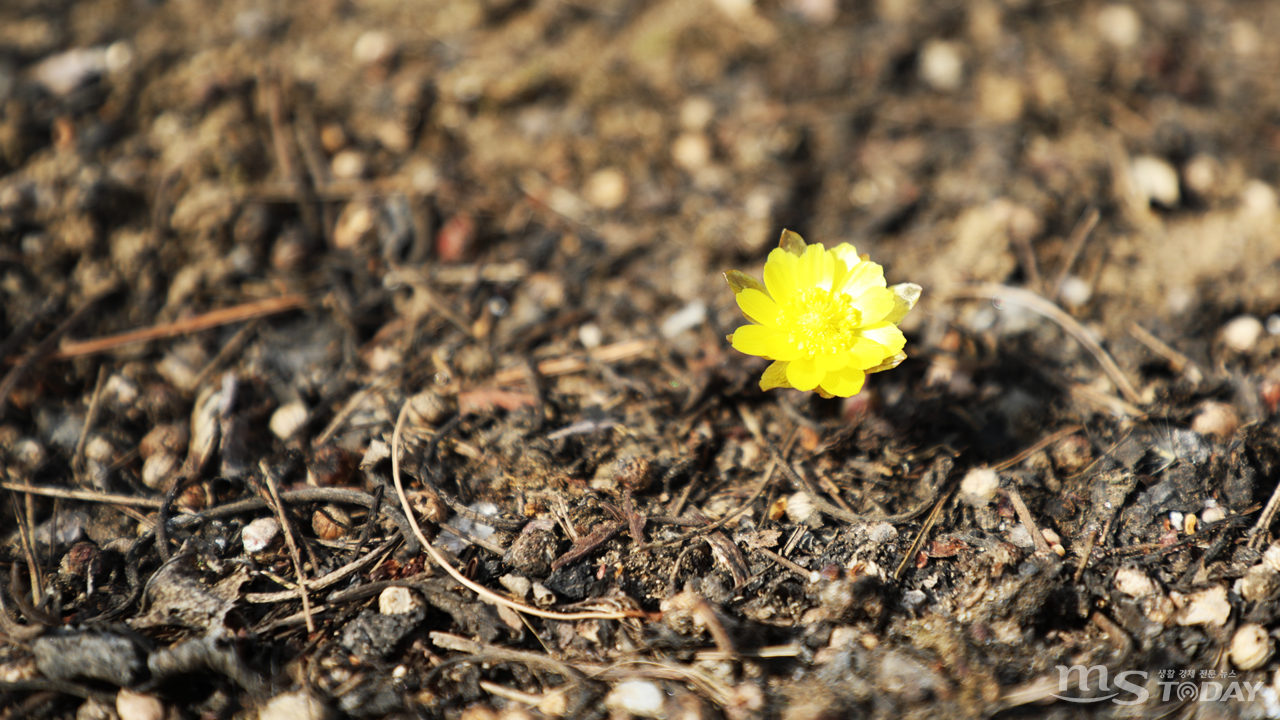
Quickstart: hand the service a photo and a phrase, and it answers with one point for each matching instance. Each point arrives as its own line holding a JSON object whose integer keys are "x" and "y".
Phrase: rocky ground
{"x": 272, "y": 271}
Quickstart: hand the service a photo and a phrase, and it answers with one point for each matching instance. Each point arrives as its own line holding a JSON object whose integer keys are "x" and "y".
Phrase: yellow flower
{"x": 823, "y": 316}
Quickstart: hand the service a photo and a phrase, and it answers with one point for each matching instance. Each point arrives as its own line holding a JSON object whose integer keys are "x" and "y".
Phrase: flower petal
{"x": 758, "y": 340}
{"x": 867, "y": 353}
{"x": 804, "y": 374}
{"x": 775, "y": 376}
{"x": 830, "y": 362}
{"x": 875, "y": 304}
{"x": 888, "y": 335}
{"x": 846, "y": 257}
{"x": 810, "y": 269}
{"x": 780, "y": 275}
{"x": 905, "y": 297}
{"x": 759, "y": 308}
{"x": 845, "y": 383}
{"x": 889, "y": 364}
{"x": 863, "y": 277}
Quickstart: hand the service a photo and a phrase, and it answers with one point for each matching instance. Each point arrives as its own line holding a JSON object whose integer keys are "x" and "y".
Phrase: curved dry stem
{"x": 485, "y": 593}
{"x": 1041, "y": 306}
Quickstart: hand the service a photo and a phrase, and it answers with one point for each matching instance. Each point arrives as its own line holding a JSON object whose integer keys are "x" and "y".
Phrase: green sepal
{"x": 905, "y": 296}
{"x": 739, "y": 281}
{"x": 889, "y": 363}
{"x": 792, "y": 243}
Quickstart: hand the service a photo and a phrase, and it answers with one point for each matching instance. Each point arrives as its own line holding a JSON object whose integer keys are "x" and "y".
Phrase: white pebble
{"x": 1251, "y": 646}
{"x": 1217, "y": 419}
{"x": 979, "y": 486}
{"x": 1241, "y": 333}
{"x": 1207, "y": 607}
{"x": 686, "y": 318}
{"x": 590, "y": 335}
{"x": 296, "y": 705}
{"x": 138, "y": 706}
{"x": 691, "y": 151}
{"x": 1257, "y": 199}
{"x": 518, "y": 585}
{"x": 696, "y": 113}
{"x": 373, "y": 46}
{"x": 1075, "y": 291}
{"x": 260, "y": 534}
{"x": 1213, "y": 514}
{"x": 287, "y": 418}
{"x": 348, "y": 165}
{"x": 607, "y": 189}
{"x": 941, "y": 65}
{"x": 641, "y": 698}
{"x": 882, "y": 532}
{"x": 1120, "y": 25}
{"x": 1155, "y": 180}
{"x": 398, "y": 601}
{"x": 1202, "y": 174}
{"x": 1176, "y": 519}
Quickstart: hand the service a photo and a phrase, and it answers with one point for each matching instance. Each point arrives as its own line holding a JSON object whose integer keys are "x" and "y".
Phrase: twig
{"x": 287, "y": 526}
{"x": 1079, "y": 234}
{"x": 1261, "y": 527}
{"x": 1178, "y": 362}
{"x": 324, "y": 582}
{"x": 86, "y": 495}
{"x": 77, "y": 459}
{"x": 443, "y": 562}
{"x": 1046, "y": 442}
{"x": 804, "y": 572}
{"x": 1039, "y": 305}
{"x": 616, "y": 352}
{"x": 233, "y": 346}
{"x": 920, "y": 537}
{"x": 1028, "y": 522}
{"x": 211, "y": 319}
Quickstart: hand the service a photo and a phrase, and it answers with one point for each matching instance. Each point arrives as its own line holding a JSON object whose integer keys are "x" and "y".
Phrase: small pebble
{"x": 355, "y": 224}
{"x": 641, "y": 698}
{"x": 1202, "y": 175}
{"x": 686, "y": 318}
{"x": 348, "y": 165}
{"x": 607, "y": 189}
{"x": 398, "y": 601}
{"x": 518, "y": 585}
{"x": 799, "y": 507}
{"x": 1241, "y": 334}
{"x": 1075, "y": 291}
{"x": 138, "y": 706}
{"x": 696, "y": 113}
{"x": 1120, "y": 25}
{"x": 691, "y": 151}
{"x": 330, "y": 523}
{"x": 296, "y": 705}
{"x": 1135, "y": 583}
{"x": 590, "y": 335}
{"x": 1155, "y": 180}
{"x": 1217, "y": 419}
{"x": 157, "y": 469}
{"x": 941, "y": 65}
{"x": 1207, "y": 607}
{"x": 260, "y": 535}
{"x": 373, "y": 47}
{"x": 979, "y": 486}
{"x": 288, "y": 418}
{"x": 1251, "y": 646}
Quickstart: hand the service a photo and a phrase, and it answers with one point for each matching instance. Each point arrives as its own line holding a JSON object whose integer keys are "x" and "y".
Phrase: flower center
{"x": 821, "y": 323}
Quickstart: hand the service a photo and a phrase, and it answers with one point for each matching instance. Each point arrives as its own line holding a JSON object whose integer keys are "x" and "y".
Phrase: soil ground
{"x": 249, "y": 251}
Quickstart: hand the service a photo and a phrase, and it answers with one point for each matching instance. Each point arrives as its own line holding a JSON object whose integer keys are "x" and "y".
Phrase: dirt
{"x": 249, "y": 251}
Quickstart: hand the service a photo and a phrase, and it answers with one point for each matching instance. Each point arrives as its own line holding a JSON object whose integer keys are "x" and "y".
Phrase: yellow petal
{"x": 812, "y": 268}
{"x": 780, "y": 275}
{"x": 775, "y": 376}
{"x": 875, "y": 304}
{"x": 887, "y": 335}
{"x": 845, "y": 383}
{"x": 758, "y": 307}
{"x": 804, "y": 374}
{"x": 758, "y": 340}
{"x": 739, "y": 281}
{"x": 830, "y": 362}
{"x": 863, "y": 277}
{"x": 905, "y": 296}
{"x": 846, "y": 257}
{"x": 889, "y": 364}
{"x": 867, "y": 353}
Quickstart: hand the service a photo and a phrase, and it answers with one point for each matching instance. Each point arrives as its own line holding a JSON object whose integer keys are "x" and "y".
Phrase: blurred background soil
{"x": 517, "y": 214}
